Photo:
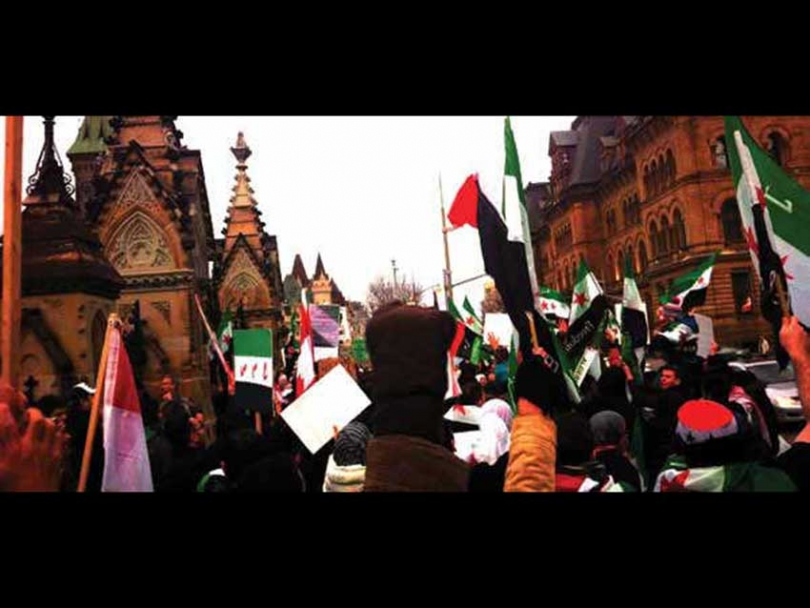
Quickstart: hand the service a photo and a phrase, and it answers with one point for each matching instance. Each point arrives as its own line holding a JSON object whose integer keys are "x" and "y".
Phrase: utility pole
{"x": 12, "y": 251}
{"x": 394, "y": 267}
{"x": 448, "y": 275}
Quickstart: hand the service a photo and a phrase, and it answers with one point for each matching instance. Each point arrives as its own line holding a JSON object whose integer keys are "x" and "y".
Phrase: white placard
{"x": 329, "y": 404}
{"x": 705, "y": 335}
{"x": 498, "y": 324}
{"x": 325, "y": 352}
{"x": 465, "y": 443}
{"x": 468, "y": 414}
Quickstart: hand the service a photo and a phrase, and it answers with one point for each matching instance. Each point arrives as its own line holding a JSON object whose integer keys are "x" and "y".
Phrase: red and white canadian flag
{"x": 126, "y": 460}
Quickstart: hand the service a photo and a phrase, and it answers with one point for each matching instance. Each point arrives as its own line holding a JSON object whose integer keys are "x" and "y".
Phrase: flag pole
{"x": 12, "y": 252}
{"x": 448, "y": 275}
{"x": 112, "y": 325}
{"x": 532, "y": 329}
{"x": 213, "y": 337}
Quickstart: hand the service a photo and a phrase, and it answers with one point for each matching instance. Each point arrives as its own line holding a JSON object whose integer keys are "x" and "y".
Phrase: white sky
{"x": 360, "y": 190}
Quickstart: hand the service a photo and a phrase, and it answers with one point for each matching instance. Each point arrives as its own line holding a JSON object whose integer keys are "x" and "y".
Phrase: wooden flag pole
{"x": 12, "y": 252}
{"x": 112, "y": 325}
{"x": 213, "y": 337}
{"x": 532, "y": 328}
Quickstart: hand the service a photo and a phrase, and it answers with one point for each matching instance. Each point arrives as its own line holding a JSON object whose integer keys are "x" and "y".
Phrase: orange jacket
{"x": 532, "y": 454}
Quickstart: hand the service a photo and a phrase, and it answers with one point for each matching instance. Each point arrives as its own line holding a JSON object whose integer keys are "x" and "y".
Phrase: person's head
{"x": 176, "y": 425}
{"x": 282, "y": 381}
{"x": 408, "y": 348}
{"x": 608, "y": 429}
{"x": 472, "y": 393}
{"x": 168, "y": 388}
{"x": 615, "y": 357}
{"x": 711, "y": 434}
{"x": 670, "y": 377}
{"x": 574, "y": 439}
{"x": 82, "y": 396}
{"x": 350, "y": 445}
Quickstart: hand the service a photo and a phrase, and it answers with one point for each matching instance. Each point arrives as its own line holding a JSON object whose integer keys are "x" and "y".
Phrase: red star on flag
{"x": 676, "y": 300}
{"x": 580, "y": 298}
{"x": 470, "y": 321}
{"x": 788, "y": 276}
{"x": 761, "y": 198}
{"x": 701, "y": 281}
{"x": 544, "y": 305}
{"x": 676, "y": 485}
{"x": 752, "y": 242}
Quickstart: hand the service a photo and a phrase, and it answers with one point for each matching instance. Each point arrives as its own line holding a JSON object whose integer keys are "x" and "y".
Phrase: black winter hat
{"x": 350, "y": 445}
{"x": 408, "y": 348}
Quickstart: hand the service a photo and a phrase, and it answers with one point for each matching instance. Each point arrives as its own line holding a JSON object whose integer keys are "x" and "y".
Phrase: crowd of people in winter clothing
{"x": 689, "y": 424}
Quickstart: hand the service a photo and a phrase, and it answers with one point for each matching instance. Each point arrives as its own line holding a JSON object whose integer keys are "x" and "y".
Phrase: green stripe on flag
{"x": 253, "y": 343}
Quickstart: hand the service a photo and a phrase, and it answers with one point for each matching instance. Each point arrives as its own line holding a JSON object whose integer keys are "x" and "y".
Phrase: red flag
{"x": 464, "y": 209}
{"x": 126, "y": 461}
{"x": 306, "y": 360}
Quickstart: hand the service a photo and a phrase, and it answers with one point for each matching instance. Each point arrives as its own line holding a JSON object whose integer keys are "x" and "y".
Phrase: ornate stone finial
{"x": 242, "y": 152}
{"x": 49, "y": 183}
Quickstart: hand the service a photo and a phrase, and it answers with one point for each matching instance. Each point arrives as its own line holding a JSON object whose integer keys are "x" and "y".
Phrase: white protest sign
{"x": 329, "y": 404}
{"x": 499, "y": 325}
{"x": 465, "y": 443}
{"x": 468, "y": 414}
{"x": 705, "y": 335}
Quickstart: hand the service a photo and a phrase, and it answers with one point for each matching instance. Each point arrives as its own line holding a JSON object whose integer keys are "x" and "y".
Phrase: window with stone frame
{"x": 732, "y": 224}
{"x": 642, "y": 257}
{"x": 678, "y": 231}
{"x": 720, "y": 152}
{"x": 776, "y": 146}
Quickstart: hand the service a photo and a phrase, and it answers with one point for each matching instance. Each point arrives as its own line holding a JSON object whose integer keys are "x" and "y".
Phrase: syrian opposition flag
{"x": 677, "y": 477}
{"x": 553, "y": 303}
{"x": 775, "y": 213}
{"x": 586, "y": 291}
{"x": 225, "y": 331}
{"x": 126, "y": 460}
{"x": 305, "y": 375}
{"x": 470, "y": 347}
{"x": 253, "y": 367}
{"x": 634, "y": 310}
{"x": 689, "y": 291}
{"x": 514, "y": 205}
{"x": 472, "y": 320}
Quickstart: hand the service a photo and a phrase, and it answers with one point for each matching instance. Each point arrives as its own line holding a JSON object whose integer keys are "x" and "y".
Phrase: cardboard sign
{"x": 498, "y": 324}
{"x": 706, "y": 334}
{"x": 326, "y": 407}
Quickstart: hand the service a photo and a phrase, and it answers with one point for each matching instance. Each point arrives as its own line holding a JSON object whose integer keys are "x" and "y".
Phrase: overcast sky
{"x": 360, "y": 190}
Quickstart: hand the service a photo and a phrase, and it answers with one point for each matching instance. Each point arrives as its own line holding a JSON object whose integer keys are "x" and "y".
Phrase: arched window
{"x": 611, "y": 221}
{"x": 611, "y": 270}
{"x": 642, "y": 257}
{"x": 719, "y": 153}
{"x": 670, "y": 167}
{"x": 626, "y": 212}
{"x": 566, "y": 274}
{"x": 654, "y": 177}
{"x": 777, "y": 147}
{"x": 631, "y": 260}
{"x": 663, "y": 236}
{"x": 678, "y": 231}
{"x": 573, "y": 273}
{"x": 620, "y": 265}
{"x": 732, "y": 225}
{"x": 654, "y": 239}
